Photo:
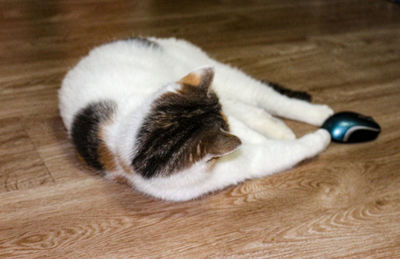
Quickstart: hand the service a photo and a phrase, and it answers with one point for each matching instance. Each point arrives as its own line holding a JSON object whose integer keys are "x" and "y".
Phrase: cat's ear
{"x": 199, "y": 78}
{"x": 223, "y": 143}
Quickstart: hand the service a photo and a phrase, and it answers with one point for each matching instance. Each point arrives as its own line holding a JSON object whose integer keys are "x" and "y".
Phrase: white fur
{"x": 133, "y": 75}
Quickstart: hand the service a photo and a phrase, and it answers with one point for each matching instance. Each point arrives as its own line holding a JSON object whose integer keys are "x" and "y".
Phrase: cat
{"x": 176, "y": 124}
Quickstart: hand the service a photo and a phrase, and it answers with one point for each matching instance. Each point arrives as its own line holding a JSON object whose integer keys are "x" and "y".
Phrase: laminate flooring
{"x": 343, "y": 203}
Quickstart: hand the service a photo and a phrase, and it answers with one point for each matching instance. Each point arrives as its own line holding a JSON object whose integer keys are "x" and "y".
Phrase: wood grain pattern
{"x": 345, "y": 203}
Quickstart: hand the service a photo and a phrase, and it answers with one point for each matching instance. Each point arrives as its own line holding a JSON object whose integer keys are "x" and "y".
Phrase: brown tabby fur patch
{"x": 106, "y": 157}
{"x": 87, "y": 137}
{"x": 121, "y": 180}
{"x": 125, "y": 167}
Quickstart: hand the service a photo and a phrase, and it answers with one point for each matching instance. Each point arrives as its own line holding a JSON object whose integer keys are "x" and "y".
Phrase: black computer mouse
{"x": 351, "y": 127}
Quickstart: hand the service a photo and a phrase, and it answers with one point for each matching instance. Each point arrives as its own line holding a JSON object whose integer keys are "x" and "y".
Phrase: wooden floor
{"x": 344, "y": 203}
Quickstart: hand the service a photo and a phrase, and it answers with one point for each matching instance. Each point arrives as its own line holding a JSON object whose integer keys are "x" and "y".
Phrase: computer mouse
{"x": 351, "y": 127}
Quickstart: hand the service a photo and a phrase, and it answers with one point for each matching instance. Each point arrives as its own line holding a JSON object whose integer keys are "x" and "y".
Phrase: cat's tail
{"x": 288, "y": 92}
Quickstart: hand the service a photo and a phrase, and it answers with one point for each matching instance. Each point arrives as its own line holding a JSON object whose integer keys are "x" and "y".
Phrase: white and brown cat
{"x": 176, "y": 124}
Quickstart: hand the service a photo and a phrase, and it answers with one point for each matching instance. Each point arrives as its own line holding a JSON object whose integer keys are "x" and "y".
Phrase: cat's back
{"x": 124, "y": 70}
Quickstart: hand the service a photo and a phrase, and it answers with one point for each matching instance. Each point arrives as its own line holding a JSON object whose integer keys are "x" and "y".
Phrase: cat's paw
{"x": 275, "y": 128}
{"x": 319, "y": 114}
{"x": 317, "y": 141}
{"x": 284, "y": 133}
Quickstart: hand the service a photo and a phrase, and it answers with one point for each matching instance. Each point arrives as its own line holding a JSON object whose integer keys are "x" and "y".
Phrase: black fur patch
{"x": 85, "y": 129}
{"x": 290, "y": 93}
{"x": 173, "y": 129}
{"x": 145, "y": 42}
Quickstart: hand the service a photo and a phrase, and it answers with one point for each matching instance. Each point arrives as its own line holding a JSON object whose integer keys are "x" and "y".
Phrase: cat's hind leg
{"x": 231, "y": 83}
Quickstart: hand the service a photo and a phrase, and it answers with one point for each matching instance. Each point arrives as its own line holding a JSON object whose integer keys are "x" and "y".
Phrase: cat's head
{"x": 184, "y": 125}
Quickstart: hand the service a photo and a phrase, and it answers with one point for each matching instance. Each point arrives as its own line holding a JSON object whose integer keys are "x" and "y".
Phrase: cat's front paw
{"x": 284, "y": 134}
{"x": 316, "y": 141}
{"x": 319, "y": 114}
